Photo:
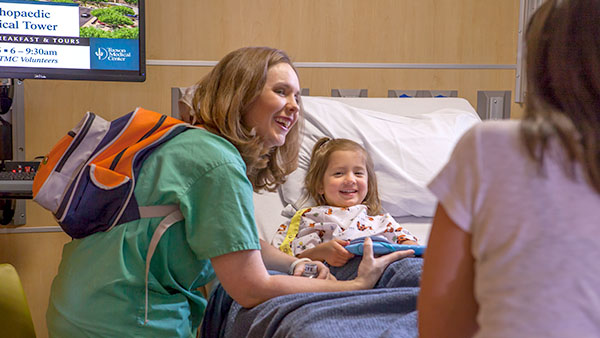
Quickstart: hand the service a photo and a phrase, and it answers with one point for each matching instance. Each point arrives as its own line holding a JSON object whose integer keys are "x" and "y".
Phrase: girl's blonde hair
{"x": 319, "y": 161}
{"x": 563, "y": 84}
{"x": 222, "y": 98}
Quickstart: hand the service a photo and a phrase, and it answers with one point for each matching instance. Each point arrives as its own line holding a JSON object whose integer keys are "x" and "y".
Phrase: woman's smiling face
{"x": 276, "y": 109}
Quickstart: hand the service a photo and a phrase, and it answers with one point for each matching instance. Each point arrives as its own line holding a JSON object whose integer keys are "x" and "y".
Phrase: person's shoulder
{"x": 492, "y": 132}
{"x": 201, "y": 140}
{"x": 199, "y": 135}
{"x": 315, "y": 208}
{"x": 500, "y": 128}
{"x": 201, "y": 146}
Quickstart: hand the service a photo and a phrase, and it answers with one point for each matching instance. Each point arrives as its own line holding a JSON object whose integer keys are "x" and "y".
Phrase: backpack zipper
{"x": 156, "y": 126}
{"x": 78, "y": 138}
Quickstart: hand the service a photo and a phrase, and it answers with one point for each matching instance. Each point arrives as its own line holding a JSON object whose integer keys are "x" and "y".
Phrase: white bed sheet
{"x": 444, "y": 118}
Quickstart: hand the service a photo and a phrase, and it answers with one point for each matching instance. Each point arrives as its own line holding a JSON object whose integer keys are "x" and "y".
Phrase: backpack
{"x": 88, "y": 178}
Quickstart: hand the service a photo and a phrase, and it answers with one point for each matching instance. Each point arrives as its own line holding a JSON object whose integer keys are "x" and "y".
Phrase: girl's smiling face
{"x": 345, "y": 182}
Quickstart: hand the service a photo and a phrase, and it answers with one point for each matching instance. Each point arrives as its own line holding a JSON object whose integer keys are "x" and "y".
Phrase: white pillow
{"x": 407, "y": 150}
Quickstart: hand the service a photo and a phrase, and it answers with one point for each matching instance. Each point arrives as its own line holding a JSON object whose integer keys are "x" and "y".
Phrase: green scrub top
{"x": 99, "y": 290}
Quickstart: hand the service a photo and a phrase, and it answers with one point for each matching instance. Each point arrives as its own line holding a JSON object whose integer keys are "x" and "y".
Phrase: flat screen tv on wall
{"x": 73, "y": 40}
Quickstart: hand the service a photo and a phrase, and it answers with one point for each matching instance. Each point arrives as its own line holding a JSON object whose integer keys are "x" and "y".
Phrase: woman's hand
{"x": 277, "y": 260}
{"x": 371, "y": 268}
{"x": 333, "y": 252}
{"x": 321, "y": 268}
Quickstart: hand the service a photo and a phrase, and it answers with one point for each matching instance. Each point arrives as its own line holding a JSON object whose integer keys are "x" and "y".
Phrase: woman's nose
{"x": 292, "y": 105}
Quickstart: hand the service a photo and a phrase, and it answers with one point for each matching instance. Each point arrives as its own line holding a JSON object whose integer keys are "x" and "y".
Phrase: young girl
{"x": 342, "y": 182}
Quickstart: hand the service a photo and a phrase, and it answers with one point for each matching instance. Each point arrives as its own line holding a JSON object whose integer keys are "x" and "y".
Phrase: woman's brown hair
{"x": 563, "y": 83}
{"x": 224, "y": 95}
{"x": 319, "y": 161}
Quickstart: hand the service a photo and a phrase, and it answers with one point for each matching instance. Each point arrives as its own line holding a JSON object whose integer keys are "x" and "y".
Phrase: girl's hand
{"x": 371, "y": 268}
{"x": 333, "y": 252}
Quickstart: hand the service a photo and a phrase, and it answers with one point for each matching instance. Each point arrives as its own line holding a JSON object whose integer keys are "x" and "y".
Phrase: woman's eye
{"x": 280, "y": 91}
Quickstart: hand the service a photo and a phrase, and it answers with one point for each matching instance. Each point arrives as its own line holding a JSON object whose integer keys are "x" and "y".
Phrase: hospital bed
{"x": 410, "y": 139}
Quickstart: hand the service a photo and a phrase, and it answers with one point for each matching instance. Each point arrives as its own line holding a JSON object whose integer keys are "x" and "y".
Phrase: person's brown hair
{"x": 224, "y": 95}
{"x": 319, "y": 161}
{"x": 563, "y": 85}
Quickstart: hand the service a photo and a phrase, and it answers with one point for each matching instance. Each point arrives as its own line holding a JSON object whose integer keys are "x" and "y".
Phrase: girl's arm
{"x": 274, "y": 259}
{"x": 446, "y": 303}
{"x": 244, "y": 276}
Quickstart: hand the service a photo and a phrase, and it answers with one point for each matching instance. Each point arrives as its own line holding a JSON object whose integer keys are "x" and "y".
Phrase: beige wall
{"x": 376, "y": 31}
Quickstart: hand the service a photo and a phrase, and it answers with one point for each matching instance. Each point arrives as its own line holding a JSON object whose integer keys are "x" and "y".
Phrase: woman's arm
{"x": 274, "y": 259}
{"x": 446, "y": 303}
{"x": 244, "y": 276}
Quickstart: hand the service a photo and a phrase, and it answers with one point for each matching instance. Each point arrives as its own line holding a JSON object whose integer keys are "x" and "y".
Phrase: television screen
{"x": 72, "y": 40}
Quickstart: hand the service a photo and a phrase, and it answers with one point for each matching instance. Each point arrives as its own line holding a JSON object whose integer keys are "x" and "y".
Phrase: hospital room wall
{"x": 353, "y": 31}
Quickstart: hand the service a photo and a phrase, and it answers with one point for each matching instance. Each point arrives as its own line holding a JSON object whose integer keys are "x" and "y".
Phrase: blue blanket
{"x": 388, "y": 310}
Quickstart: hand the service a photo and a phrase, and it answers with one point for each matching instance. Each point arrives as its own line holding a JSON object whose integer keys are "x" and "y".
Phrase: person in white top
{"x": 341, "y": 180}
{"x": 514, "y": 249}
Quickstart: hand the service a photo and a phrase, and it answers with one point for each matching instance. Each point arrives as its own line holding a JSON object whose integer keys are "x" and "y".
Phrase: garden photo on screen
{"x": 117, "y": 19}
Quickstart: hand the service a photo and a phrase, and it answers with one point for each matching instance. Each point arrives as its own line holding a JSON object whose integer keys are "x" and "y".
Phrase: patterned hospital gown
{"x": 312, "y": 226}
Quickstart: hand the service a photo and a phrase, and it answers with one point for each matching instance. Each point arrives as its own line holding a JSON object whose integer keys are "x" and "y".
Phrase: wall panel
{"x": 405, "y": 31}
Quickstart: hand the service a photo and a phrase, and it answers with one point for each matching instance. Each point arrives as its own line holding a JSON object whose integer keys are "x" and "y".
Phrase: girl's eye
{"x": 280, "y": 91}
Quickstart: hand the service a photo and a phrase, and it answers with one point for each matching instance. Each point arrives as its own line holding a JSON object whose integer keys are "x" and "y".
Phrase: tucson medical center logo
{"x": 112, "y": 54}
{"x": 102, "y": 54}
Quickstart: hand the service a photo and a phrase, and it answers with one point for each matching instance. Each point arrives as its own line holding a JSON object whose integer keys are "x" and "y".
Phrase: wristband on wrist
{"x": 293, "y": 265}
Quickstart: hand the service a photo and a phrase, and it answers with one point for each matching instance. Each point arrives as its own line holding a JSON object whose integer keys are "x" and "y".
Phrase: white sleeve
{"x": 457, "y": 186}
